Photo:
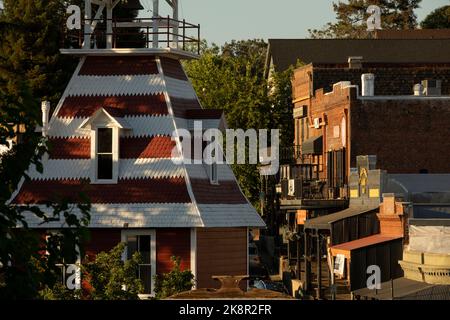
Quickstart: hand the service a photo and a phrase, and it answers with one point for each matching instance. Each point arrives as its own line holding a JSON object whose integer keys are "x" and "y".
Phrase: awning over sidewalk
{"x": 347, "y": 247}
{"x": 313, "y": 145}
{"x": 324, "y": 222}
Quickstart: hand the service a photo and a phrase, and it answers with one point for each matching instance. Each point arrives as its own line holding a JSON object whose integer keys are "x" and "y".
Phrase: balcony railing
{"x": 293, "y": 189}
{"x": 290, "y": 155}
{"x": 138, "y": 33}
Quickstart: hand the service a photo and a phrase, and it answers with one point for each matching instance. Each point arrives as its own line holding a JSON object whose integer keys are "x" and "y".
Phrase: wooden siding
{"x": 172, "y": 242}
{"x": 385, "y": 255}
{"x": 354, "y": 228}
{"x": 220, "y": 251}
{"x": 101, "y": 240}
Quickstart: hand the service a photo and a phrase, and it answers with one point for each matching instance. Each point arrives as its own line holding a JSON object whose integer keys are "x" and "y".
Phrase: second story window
{"x": 104, "y": 153}
{"x": 105, "y": 131}
{"x": 214, "y": 177}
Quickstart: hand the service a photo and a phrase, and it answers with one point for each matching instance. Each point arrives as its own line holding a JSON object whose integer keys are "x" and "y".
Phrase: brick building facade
{"x": 403, "y": 130}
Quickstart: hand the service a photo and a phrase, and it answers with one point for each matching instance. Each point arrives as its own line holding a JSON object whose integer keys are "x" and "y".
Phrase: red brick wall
{"x": 406, "y": 135}
{"x": 390, "y": 79}
{"x": 172, "y": 242}
{"x": 331, "y": 108}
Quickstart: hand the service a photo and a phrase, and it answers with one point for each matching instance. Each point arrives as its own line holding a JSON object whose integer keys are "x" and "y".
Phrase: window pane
{"x": 104, "y": 140}
{"x": 145, "y": 274}
{"x": 61, "y": 273}
{"x": 104, "y": 166}
{"x": 144, "y": 249}
{"x": 131, "y": 246}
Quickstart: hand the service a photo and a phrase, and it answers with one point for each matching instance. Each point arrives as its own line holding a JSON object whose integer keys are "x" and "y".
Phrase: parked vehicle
{"x": 269, "y": 285}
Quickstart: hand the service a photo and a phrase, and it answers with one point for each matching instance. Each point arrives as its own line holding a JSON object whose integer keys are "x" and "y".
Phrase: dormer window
{"x": 104, "y": 154}
{"x": 213, "y": 174}
{"x": 105, "y": 133}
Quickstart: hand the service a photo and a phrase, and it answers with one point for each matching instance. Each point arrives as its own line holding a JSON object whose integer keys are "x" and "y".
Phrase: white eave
{"x": 170, "y": 52}
{"x": 118, "y": 121}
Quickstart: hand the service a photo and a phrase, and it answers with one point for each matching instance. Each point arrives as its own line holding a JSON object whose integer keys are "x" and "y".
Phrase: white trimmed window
{"x": 105, "y": 134}
{"x": 104, "y": 154}
{"x": 143, "y": 242}
{"x": 214, "y": 179}
{"x": 69, "y": 270}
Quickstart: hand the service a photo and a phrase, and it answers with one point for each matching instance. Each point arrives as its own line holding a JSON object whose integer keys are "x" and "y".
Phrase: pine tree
{"x": 351, "y": 18}
{"x": 30, "y": 50}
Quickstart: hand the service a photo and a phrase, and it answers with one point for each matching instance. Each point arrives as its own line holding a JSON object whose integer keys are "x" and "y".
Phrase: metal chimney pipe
{"x": 45, "y": 108}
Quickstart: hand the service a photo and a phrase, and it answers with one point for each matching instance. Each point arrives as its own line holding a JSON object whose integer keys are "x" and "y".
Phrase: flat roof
{"x": 325, "y": 221}
{"x": 365, "y": 242}
{"x": 406, "y": 289}
{"x": 175, "y": 53}
{"x": 286, "y": 52}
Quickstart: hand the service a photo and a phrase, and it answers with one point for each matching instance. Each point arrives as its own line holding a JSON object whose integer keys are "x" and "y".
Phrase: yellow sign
{"x": 374, "y": 193}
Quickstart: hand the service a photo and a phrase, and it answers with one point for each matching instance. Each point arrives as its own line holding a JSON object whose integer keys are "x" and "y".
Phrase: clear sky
{"x": 224, "y": 20}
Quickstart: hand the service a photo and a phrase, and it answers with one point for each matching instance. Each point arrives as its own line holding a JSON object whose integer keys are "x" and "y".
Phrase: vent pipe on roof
{"x": 355, "y": 62}
{"x": 368, "y": 84}
{"x": 45, "y": 108}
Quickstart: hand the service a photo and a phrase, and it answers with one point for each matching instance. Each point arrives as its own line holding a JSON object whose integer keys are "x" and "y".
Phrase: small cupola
{"x": 105, "y": 125}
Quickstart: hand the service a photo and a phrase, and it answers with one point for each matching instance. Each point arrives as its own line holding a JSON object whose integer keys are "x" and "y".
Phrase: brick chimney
{"x": 391, "y": 216}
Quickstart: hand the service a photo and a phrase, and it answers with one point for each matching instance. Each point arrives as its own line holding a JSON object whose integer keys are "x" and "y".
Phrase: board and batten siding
{"x": 172, "y": 242}
{"x": 220, "y": 251}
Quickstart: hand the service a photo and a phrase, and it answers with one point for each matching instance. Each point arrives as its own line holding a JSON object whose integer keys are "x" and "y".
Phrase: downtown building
{"x": 371, "y": 121}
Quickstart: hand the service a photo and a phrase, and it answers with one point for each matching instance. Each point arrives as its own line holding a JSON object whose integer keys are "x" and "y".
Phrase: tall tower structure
{"x": 114, "y": 136}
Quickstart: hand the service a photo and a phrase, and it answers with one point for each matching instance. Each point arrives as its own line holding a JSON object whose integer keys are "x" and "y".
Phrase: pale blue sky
{"x": 224, "y": 20}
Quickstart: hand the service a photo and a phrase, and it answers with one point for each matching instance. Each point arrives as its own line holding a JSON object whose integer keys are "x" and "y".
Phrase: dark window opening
{"x": 142, "y": 245}
{"x": 105, "y": 164}
{"x": 104, "y": 154}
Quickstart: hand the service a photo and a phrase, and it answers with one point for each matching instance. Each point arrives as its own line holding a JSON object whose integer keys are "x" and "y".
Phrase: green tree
{"x": 30, "y": 49}
{"x": 110, "y": 278}
{"x": 352, "y": 15}
{"x": 438, "y": 19}
{"x": 107, "y": 277}
{"x": 232, "y": 78}
{"x": 176, "y": 281}
{"x": 28, "y": 71}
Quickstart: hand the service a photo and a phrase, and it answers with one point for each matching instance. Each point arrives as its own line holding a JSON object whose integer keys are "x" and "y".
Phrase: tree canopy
{"x": 438, "y": 19}
{"x": 232, "y": 78}
{"x": 352, "y": 15}
{"x": 31, "y": 69}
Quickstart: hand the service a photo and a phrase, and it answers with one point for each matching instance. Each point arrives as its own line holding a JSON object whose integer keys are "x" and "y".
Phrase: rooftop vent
{"x": 432, "y": 87}
{"x": 355, "y": 62}
{"x": 368, "y": 84}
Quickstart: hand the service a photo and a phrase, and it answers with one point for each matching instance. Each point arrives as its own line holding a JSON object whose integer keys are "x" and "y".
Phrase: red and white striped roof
{"x": 154, "y": 98}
